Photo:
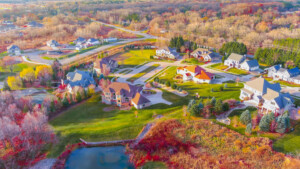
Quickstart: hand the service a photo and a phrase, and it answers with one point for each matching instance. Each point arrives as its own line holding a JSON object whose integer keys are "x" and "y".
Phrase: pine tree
{"x": 248, "y": 129}
{"x": 191, "y": 103}
{"x": 78, "y": 96}
{"x": 213, "y": 101}
{"x": 246, "y": 117}
{"x": 71, "y": 99}
{"x": 65, "y": 101}
{"x": 52, "y": 106}
{"x": 264, "y": 124}
{"x": 219, "y": 106}
{"x": 195, "y": 110}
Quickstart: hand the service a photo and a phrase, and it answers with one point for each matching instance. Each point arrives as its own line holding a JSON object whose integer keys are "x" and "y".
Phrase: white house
{"x": 80, "y": 41}
{"x": 92, "y": 42}
{"x": 14, "y": 50}
{"x": 205, "y": 55}
{"x": 290, "y": 75}
{"x": 140, "y": 102}
{"x": 110, "y": 40}
{"x": 235, "y": 60}
{"x": 52, "y": 43}
{"x": 266, "y": 95}
{"x": 196, "y": 74}
{"x": 166, "y": 52}
{"x": 250, "y": 65}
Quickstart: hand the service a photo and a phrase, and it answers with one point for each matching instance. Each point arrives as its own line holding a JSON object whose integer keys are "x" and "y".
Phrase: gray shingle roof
{"x": 80, "y": 78}
{"x": 252, "y": 63}
{"x": 236, "y": 57}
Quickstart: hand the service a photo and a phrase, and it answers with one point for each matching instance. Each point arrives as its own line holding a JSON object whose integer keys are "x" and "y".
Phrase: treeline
{"x": 289, "y": 43}
{"x": 271, "y": 56}
{"x": 179, "y": 42}
{"x": 233, "y": 47}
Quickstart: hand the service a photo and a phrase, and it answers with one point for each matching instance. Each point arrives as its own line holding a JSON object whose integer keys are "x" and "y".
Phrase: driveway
{"x": 157, "y": 98}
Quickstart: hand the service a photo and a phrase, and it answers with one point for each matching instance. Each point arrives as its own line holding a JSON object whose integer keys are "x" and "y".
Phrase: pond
{"x": 113, "y": 157}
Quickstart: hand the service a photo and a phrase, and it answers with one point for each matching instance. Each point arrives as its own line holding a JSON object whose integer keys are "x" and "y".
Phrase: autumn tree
{"x": 43, "y": 73}
{"x": 27, "y": 74}
{"x": 14, "y": 83}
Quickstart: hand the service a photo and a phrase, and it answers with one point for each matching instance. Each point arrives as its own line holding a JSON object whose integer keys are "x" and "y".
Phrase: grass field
{"x": 192, "y": 61}
{"x": 90, "y": 122}
{"x": 221, "y": 67}
{"x": 4, "y": 75}
{"x": 17, "y": 67}
{"x": 79, "y": 52}
{"x": 142, "y": 73}
{"x": 133, "y": 58}
{"x": 48, "y": 58}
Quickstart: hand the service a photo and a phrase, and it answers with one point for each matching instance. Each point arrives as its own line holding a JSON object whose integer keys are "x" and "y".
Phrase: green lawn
{"x": 290, "y": 142}
{"x": 192, "y": 61}
{"x": 4, "y": 75}
{"x": 204, "y": 90}
{"x": 142, "y": 73}
{"x": 48, "y": 58}
{"x": 90, "y": 122}
{"x": 221, "y": 67}
{"x": 136, "y": 57}
{"x": 17, "y": 67}
{"x": 284, "y": 83}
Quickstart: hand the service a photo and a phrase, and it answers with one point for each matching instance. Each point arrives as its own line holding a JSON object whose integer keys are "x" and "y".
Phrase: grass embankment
{"x": 79, "y": 52}
{"x": 4, "y": 75}
{"x": 142, "y": 73}
{"x": 133, "y": 58}
{"x": 17, "y": 67}
{"x": 90, "y": 122}
{"x": 221, "y": 67}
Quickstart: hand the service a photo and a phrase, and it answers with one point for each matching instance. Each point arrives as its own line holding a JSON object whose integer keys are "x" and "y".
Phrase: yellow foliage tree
{"x": 28, "y": 74}
{"x": 14, "y": 83}
{"x": 44, "y": 72}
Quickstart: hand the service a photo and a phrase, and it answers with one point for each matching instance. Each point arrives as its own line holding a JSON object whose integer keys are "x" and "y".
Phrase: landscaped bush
{"x": 174, "y": 86}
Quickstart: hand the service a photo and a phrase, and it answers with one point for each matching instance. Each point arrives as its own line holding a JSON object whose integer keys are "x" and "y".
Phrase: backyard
{"x": 221, "y": 67}
{"x": 142, "y": 73}
{"x": 133, "y": 58}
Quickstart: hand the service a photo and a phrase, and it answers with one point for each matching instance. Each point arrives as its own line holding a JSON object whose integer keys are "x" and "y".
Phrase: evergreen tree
{"x": 248, "y": 129}
{"x": 226, "y": 106}
{"x": 191, "y": 103}
{"x": 264, "y": 124}
{"x": 52, "y": 106}
{"x": 71, "y": 99}
{"x": 65, "y": 101}
{"x": 78, "y": 96}
{"x": 219, "y": 106}
{"x": 194, "y": 110}
{"x": 85, "y": 95}
{"x": 213, "y": 101}
{"x": 245, "y": 117}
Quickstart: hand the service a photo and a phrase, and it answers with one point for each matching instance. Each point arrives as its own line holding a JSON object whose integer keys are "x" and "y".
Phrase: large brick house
{"x": 107, "y": 63}
{"x": 124, "y": 94}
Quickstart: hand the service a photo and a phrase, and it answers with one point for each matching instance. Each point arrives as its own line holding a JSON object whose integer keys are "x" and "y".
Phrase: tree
{"x": 248, "y": 129}
{"x": 65, "y": 101}
{"x": 168, "y": 83}
{"x": 264, "y": 124}
{"x": 191, "y": 103}
{"x": 223, "y": 59}
{"x": 245, "y": 117}
{"x": 174, "y": 86}
{"x": 219, "y": 106}
{"x": 43, "y": 72}
{"x": 27, "y": 74}
{"x": 233, "y": 47}
{"x": 14, "y": 83}
{"x": 226, "y": 106}
{"x": 194, "y": 110}
{"x": 283, "y": 123}
{"x": 213, "y": 101}
{"x": 78, "y": 96}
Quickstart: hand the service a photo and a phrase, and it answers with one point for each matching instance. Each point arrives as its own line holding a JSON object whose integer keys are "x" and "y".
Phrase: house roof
{"x": 140, "y": 99}
{"x": 52, "y": 42}
{"x": 92, "y": 40}
{"x": 204, "y": 75}
{"x": 201, "y": 51}
{"x": 122, "y": 89}
{"x": 294, "y": 71}
{"x": 261, "y": 85}
{"x": 79, "y": 78}
{"x": 252, "y": 63}
{"x": 80, "y": 39}
{"x": 13, "y": 47}
{"x": 194, "y": 68}
{"x": 276, "y": 67}
{"x": 236, "y": 57}
{"x": 281, "y": 99}
{"x": 104, "y": 61}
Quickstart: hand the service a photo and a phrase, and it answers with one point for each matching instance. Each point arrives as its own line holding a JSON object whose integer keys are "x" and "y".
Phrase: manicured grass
{"x": 158, "y": 74}
{"x": 17, "y": 67}
{"x": 89, "y": 122}
{"x": 80, "y": 52}
{"x": 286, "y": 83}
{"x": 142, "y": 73}
{"x": 48, "y": 58}
{"x": 136, "y": 57}
{"x": 192, "y": 61}
{"x": 221, "y": 67}
{"x": 290, "y": 142}
{"x": 204, "y": 90}
{"x": 4, "y": 75}
{"x": 155, "y": 165}
{"x": 3, "y": 54}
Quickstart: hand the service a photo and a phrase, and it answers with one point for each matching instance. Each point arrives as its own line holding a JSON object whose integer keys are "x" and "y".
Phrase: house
{"x": 166, "y": 52}
{"x": 52, "y": 43}
{"x": 124, "y": 94}
{"x": 7, "y": 23}
{"x": 14, "y": 50}
{"x": 235, "y": 60}
{"x": 35, "y": 24}
{"x": 290, "y": 75}
{"x": 108, "y": 63}
{"x": 205, "y": 55}
{"x": 140, "y": 102}
{"x": 266, "y": 95}
{"x": 92, "y": 42}
{"x": 196, "y": 74}
{"x": 78, "y": 78}
{"x": 250, "y": 65}
{"x": 110, "y": 40}
{"x": 54, "y": 52}
{"x": 79, "y": 47}
{"x": 80, "y": 41}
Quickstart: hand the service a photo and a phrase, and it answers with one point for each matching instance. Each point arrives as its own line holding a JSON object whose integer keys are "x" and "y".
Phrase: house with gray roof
{"x": 234, "y": 60}
{"x": 80, "y": 41}
{"x": 266, "y": 95}
{"x": 123, "y": 95}
{"x": 290, "y": 75}
{"x": 79, "y": 78}
{"x": 250, "y": 65}
{"x": 92, "y": 42}
{"x": 52, "y": 43}
{"x": 167, "y": 53}
{"x": 205, "y": 55}
{"x": 14, "y": 50}
{"x": 107, "y": 63}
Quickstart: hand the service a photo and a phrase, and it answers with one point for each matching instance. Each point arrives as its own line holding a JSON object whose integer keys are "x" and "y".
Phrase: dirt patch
{"x": 119, "y": 57}
{"x": 108, "y": 109}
